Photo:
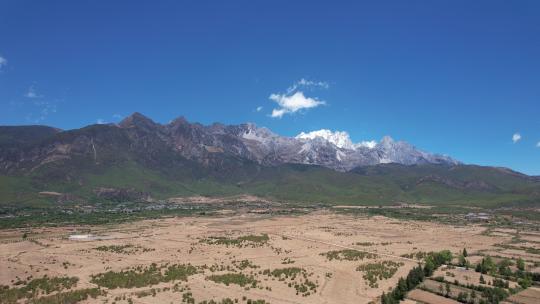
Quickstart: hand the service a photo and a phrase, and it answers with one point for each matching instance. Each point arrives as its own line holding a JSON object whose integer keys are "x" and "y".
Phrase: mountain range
{"x": 141, "y": 159}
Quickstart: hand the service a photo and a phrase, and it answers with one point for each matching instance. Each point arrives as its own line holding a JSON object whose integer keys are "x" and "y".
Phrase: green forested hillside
{"x": 383, "y": 184}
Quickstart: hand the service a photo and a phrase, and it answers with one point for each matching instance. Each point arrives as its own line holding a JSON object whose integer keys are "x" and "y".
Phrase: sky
{"x": 460, "y": 78}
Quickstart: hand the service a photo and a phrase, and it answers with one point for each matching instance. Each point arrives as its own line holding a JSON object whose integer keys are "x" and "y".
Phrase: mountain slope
{"x": 139, "y": 159}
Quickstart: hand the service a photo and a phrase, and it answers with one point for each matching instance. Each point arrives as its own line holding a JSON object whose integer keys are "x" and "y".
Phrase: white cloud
{"x": 516, "y": 137}
{"x": 3, "y": 62}
{"x": 294, "y": 99}
{"x": 31, "y": 93}
{"x": 538, "y": 144}
{"x": 277, "y": 113}
{"x": 259, "y": 108}
{"x": 117, "y": 116}
{"x": 289, "y": 104}
{"x": 304, "y": 83}
{"x": 100, "y": 121}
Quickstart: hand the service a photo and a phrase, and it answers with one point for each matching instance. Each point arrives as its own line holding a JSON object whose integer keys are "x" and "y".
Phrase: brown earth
{"x": 300, "y": 239}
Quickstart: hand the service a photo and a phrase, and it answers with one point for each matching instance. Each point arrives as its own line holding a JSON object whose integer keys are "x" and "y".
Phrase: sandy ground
{"x": 301, "y": 239}
{"x": 528, "y": 296}
{"x": 428, "y": 297}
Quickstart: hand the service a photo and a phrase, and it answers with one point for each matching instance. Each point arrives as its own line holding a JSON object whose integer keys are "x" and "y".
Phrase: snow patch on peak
{"x": 366, "y": 144}
{"x": 387, "y": 141}
{"x": 340, "y": 139}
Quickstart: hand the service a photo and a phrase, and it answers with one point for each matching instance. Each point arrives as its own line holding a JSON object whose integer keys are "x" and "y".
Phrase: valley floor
{"x": 279, "y": 259}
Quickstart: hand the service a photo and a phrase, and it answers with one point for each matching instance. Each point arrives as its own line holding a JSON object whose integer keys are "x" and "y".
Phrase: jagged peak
{"x": 136, "y": 119}
{"x": 179, "y": 120}
{"x": 387, "y": 140}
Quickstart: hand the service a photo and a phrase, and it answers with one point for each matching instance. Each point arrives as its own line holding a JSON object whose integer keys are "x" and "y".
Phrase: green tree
{"x": 521, "y": 264}
{"x": 429, "y": 267}
{"x": 465, "y": 254}
{"x": 504, "y": 267}
{"x": 462, "y": 261}
{"x": 526, "y": 281}
{"x": 401, "y": 289}
{"x": 486, "y": 266}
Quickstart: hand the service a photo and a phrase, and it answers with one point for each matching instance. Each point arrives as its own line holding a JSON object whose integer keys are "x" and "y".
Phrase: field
{"x": 318, "y": 257}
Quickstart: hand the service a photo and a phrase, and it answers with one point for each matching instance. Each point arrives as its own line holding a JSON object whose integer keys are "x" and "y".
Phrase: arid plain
{"x": 312, "y": 258}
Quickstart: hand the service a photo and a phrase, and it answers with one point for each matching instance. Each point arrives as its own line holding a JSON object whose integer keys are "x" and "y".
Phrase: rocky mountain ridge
{"x": 202, "y": 144}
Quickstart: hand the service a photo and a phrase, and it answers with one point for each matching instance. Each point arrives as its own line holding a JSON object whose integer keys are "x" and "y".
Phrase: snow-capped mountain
{"x": 331, "y": 149}
{"x": 212, "y": 145}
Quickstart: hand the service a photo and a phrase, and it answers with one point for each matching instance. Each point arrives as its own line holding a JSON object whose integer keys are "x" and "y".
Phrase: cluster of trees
{"x": 70, "y": 297}
{"x": 242, "y": 241}
{"x": 493, "y": 294}
{"x": 35, "y": 287}
{"x": 234, "y": 278}
{"x": 462, "y": 259}
{"x": 436, "y": 259}
{"x": 231, "y": 301}
{"x": 243, "y": 264}
{"x": 303, "y": 286}
{"x": 348, "y": 255}
{"x": 140, "y": 277}
{"x": 490, "y": 294}
{"x": 379, "y": 271}
{"x": 291, "y": 272}
{"x": 124, "y": 249}
{"x": 488, "y": 266}
{"x": 433, "y": 260}
{"x": 416, "y": 276}
{"x": 45, "y": 217}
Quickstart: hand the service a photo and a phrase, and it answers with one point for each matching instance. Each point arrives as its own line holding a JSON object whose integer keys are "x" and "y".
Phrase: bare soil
{"x": 294, "y": 241}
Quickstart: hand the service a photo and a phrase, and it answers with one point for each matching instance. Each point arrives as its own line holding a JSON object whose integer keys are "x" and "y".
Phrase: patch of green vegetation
{"x": 290, "y": 272}
{"x": 379, "y": 271}
{"x": 243, "y": 264}
{"x": 502, "y": 269}
{"x": 123, "y": 249}
{"x": 298, "y": 278}
{"x": 530, "y": 250}
{"x": 233, "y": 278}
{"x": 365, "y": 244}
{"x": 188, "y": 298}
{"x": 348, "y": 255}
{"x": 416, "y": 276}
{"x": 44, "y": 217}
{"x": 144, "y": 276}
{"x": 494, "y": 294}
{"x": 70, "y": 297}
{"x": 35, "y": 287}
{"x": 377, "y": 185}
{"x": 419, "y": 255}
{"x": 242, "y": 241}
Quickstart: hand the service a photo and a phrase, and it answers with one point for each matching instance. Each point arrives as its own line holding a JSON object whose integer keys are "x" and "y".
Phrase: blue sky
{"x": 453, "y": 77}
